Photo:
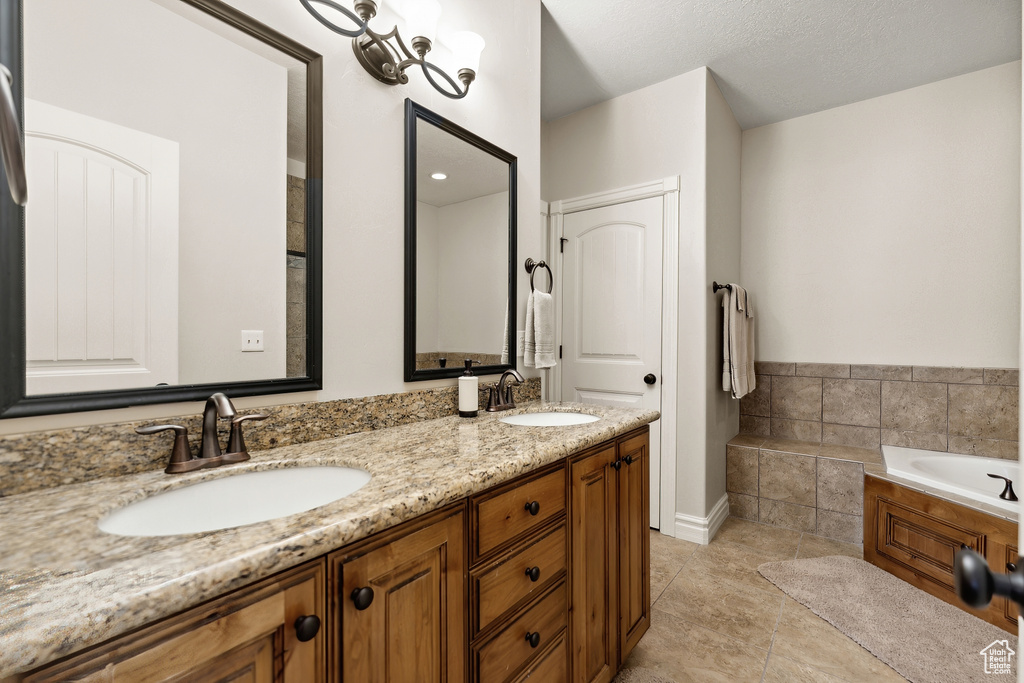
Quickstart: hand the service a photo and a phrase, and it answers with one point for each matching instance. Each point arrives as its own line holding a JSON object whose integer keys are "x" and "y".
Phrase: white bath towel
{"x": 738, "y": 342}
{"x": 540, "y": 331}
{"x": 504, "y": 340}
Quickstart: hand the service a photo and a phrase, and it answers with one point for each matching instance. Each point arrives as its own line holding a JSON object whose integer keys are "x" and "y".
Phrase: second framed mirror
{"x": 460, "y": 250}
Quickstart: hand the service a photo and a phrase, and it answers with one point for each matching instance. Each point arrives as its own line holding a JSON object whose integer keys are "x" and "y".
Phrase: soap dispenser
{"x": 469, "y": 391}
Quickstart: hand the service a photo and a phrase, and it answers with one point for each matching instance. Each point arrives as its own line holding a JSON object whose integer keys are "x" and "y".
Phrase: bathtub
{"x": 964, "y": 475}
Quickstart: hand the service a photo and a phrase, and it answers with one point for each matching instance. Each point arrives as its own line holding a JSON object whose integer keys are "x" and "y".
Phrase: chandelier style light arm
{"x": 386, "y": 57}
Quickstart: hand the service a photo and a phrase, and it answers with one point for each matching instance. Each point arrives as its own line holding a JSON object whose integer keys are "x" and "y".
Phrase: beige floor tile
{"x": 735, "y": 563}
{"x": 783, "y": 670}
{"x": 819, "y": 546}
{"x": 761, "y": 536}
{"x": 687, "y": 652}
{"x": 668, "y": 555}
{"x": 809, "y": 639}
{"x": 734, "y": 610}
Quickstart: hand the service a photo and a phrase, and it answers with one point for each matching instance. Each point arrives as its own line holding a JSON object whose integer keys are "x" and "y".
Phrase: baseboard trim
{"x": 702, "y": 529}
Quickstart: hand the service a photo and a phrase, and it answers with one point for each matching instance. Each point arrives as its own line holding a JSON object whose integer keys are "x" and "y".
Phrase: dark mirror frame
{"x": 13, "y": 401}
{"x": 413, "y": 113}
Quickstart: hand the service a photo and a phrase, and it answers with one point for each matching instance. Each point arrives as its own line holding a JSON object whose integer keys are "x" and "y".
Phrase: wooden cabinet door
{"x": 414, "y": 629}
{"x": 594, "y": 567}
{"x": 634, "y": 543}
{"x": 247, "y": 636}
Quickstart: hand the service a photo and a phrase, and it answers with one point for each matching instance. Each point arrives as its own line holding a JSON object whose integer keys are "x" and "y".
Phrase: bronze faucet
{"x": 217, "y": 405}
{"x": 501, "y": 396}
{"x": 210, "y": 453}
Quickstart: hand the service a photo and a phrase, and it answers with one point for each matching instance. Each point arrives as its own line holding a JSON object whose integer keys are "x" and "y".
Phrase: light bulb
{"x": 466, "y": 47}
{"x": 421, "y": 18}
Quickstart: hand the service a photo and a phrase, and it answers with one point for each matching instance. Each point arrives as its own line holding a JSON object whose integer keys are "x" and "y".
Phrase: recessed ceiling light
{"x": 438, "y": 176}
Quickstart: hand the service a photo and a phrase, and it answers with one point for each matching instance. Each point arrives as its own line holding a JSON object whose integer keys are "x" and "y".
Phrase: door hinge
{"x": 561, "y": 244}
{"x": 559, "y": 350}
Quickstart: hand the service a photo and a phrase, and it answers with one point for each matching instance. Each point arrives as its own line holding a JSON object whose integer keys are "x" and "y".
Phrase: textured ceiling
{"x": 772, "y": 59}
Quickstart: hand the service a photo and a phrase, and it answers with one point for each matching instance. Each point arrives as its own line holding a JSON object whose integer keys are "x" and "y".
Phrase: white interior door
{"x": 611, "y": 313}
{"x": 101, "y": 233}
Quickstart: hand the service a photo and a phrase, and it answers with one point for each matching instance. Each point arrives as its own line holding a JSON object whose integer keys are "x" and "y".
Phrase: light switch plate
{"x": 521, "y": 343}
{"x": 252, "y": 340}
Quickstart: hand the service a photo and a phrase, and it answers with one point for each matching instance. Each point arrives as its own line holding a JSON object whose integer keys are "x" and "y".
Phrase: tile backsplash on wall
{"x": 39, "y": 460}
{"x": 959, "y": 410}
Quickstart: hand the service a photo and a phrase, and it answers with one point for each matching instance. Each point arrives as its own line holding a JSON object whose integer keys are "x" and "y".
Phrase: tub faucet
{"x": 217, "y": 405}
{"x": 1007, "y": 493}
{"x": 501, "y": 396}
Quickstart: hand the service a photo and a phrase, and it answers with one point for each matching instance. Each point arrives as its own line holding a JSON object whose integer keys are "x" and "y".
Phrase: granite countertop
{"x": 67, "y": 586}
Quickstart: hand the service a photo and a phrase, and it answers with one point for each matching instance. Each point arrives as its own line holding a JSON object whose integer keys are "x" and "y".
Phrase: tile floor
{"x": 714, "y": 618}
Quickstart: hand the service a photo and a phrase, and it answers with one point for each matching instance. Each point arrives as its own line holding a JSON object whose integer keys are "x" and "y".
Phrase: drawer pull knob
{"x": 1011, "y": 567}
{"x": 533, "y": 639}
{"x": 533, "y": 573}
{"x": 628, "y": 459}
{"x": 306, "y": 627}
{"x": 362, "y": 597}
{"x": 533, "y": 508}
{"x": 617, "y": 465}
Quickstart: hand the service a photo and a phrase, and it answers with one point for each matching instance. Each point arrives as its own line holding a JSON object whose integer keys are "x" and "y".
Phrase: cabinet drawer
{"x": 506, "y": 513}
{"x": 504, "y": 655}
{"x": 498, "y": 588}
{"x": 550, "y": 667}
{"x": 923, "y": 542}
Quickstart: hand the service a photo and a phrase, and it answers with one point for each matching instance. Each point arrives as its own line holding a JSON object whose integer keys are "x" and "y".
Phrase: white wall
{"x": 646, "y": 135}
{"x": 363, "y": 190}
{"x": 472, "y": 257}
{"x": 723, "y": 265}
{"x": 134, "y": 72}
{"x": 426, "y": 278}
{"x": 888, "y": 231}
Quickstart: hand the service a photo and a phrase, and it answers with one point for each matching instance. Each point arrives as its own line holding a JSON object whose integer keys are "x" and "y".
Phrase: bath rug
{"x": 640, "y": 675}
{"x": 923, "y": 638}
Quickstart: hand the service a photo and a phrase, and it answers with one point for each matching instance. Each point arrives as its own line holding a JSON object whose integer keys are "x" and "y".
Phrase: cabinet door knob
{"x": 533, "y": 639}
{"x": 533, "y": 507}
{"x": 629, "y": 459}
{"x": 1011, "y": 567}
{"x": 650, "y": 379}
{"x": 533, "y": 573}
{"x": 617, "y": 465}
{"x": 362, "y": 597}
{"x": 306, "y": 627}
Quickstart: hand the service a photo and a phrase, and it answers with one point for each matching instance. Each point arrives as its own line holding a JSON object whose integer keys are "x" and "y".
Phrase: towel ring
{"x": 531, "y": 268}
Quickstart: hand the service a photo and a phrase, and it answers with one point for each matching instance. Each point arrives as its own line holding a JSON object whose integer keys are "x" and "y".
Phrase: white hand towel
{"x": 504, "y": 340}
{"x": 544, "y": 324}
{"x": 530, "y": 344}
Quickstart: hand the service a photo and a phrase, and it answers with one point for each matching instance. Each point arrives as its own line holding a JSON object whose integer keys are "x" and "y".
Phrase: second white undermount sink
{"x": 549, "y": 419}
{"x": 235, "y": 500}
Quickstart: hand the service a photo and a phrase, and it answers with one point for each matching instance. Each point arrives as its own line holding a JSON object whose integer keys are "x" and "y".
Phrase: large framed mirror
{"x": 460, "y": 250}
{"x": 171, "y": 244}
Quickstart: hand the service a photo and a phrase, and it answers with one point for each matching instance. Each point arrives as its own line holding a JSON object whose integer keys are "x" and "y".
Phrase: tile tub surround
{"x": 807, "y": 486}
{"x": 971, "y": 411}
{"x": 40, "y": 460}
{"x": 66, "y": 585}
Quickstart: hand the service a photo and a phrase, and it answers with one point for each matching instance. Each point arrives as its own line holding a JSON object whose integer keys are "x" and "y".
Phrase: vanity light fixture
{"x": 438, "y": 176}
{"x": 385, "y": 55}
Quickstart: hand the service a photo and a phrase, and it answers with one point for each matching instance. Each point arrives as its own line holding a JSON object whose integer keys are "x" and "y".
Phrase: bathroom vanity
{"x": 479, "y": 551}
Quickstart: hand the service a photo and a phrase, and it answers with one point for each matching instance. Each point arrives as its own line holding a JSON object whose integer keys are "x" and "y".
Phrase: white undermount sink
{"x": 234, "y": 500}
{"x": 549, "y": 419}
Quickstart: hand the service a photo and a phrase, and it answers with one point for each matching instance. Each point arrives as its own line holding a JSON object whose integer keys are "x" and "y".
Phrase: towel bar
{"x": 715, "y": 286}
{"x": 531, "y": 268}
